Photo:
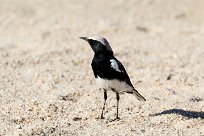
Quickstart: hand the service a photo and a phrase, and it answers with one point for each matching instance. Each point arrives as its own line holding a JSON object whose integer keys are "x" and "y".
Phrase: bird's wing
{"x": 120, "y": 70}
{"x": 111, "y": 69}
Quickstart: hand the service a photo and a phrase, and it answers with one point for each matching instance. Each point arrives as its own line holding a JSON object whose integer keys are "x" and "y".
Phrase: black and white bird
{"x": 109, "y": 72}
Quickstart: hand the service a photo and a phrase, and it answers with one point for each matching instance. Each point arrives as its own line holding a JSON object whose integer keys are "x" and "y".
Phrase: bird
{"x": 109, "y": 72}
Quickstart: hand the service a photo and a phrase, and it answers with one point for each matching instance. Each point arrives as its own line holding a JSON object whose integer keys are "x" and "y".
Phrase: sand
{"x": 46, "y": 82}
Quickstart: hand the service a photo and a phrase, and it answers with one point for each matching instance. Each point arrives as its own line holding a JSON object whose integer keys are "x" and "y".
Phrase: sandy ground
{"x": 46, "y": 82}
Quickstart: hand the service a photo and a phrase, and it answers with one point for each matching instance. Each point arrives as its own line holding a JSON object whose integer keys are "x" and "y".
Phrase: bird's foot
{"x": 117, "y": 118}
{"x": 102, "y": 117}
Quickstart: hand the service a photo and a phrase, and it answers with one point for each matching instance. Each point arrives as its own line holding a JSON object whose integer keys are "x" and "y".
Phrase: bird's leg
{"x": 118, "y": 98}
{"x": 104, "y": 104}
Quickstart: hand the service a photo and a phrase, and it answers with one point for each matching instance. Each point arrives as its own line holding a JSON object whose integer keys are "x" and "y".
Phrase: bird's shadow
{"x": 185, "y": 113}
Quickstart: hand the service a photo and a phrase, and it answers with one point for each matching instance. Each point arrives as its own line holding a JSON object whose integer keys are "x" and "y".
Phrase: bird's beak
{"x": 84, "y": 38}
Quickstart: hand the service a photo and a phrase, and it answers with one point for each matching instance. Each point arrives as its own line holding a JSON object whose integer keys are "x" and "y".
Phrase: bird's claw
{"x": 117, "y": 118}
{"x": 102, "y": 117}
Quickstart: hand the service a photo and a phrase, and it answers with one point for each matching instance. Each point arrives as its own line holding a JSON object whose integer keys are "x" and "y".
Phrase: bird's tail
{"x": 138, "y": 96}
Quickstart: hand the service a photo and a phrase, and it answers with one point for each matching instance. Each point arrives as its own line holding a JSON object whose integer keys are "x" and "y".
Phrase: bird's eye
{"x": 94, "y": 42}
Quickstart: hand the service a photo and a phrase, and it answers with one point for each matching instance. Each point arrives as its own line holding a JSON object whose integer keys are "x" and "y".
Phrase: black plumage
{"x": 101, "y": 66}
{"x": 110, "y": 72}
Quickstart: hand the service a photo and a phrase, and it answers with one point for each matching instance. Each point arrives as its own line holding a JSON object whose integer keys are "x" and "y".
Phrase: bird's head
{"x": 98, "y": 44}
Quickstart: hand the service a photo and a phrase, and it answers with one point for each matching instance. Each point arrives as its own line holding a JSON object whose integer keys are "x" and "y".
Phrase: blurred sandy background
{"x": 46, "y": 82}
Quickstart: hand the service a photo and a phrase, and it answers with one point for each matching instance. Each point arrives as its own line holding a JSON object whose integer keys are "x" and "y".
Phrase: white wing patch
{"x": 114, "y": 65}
